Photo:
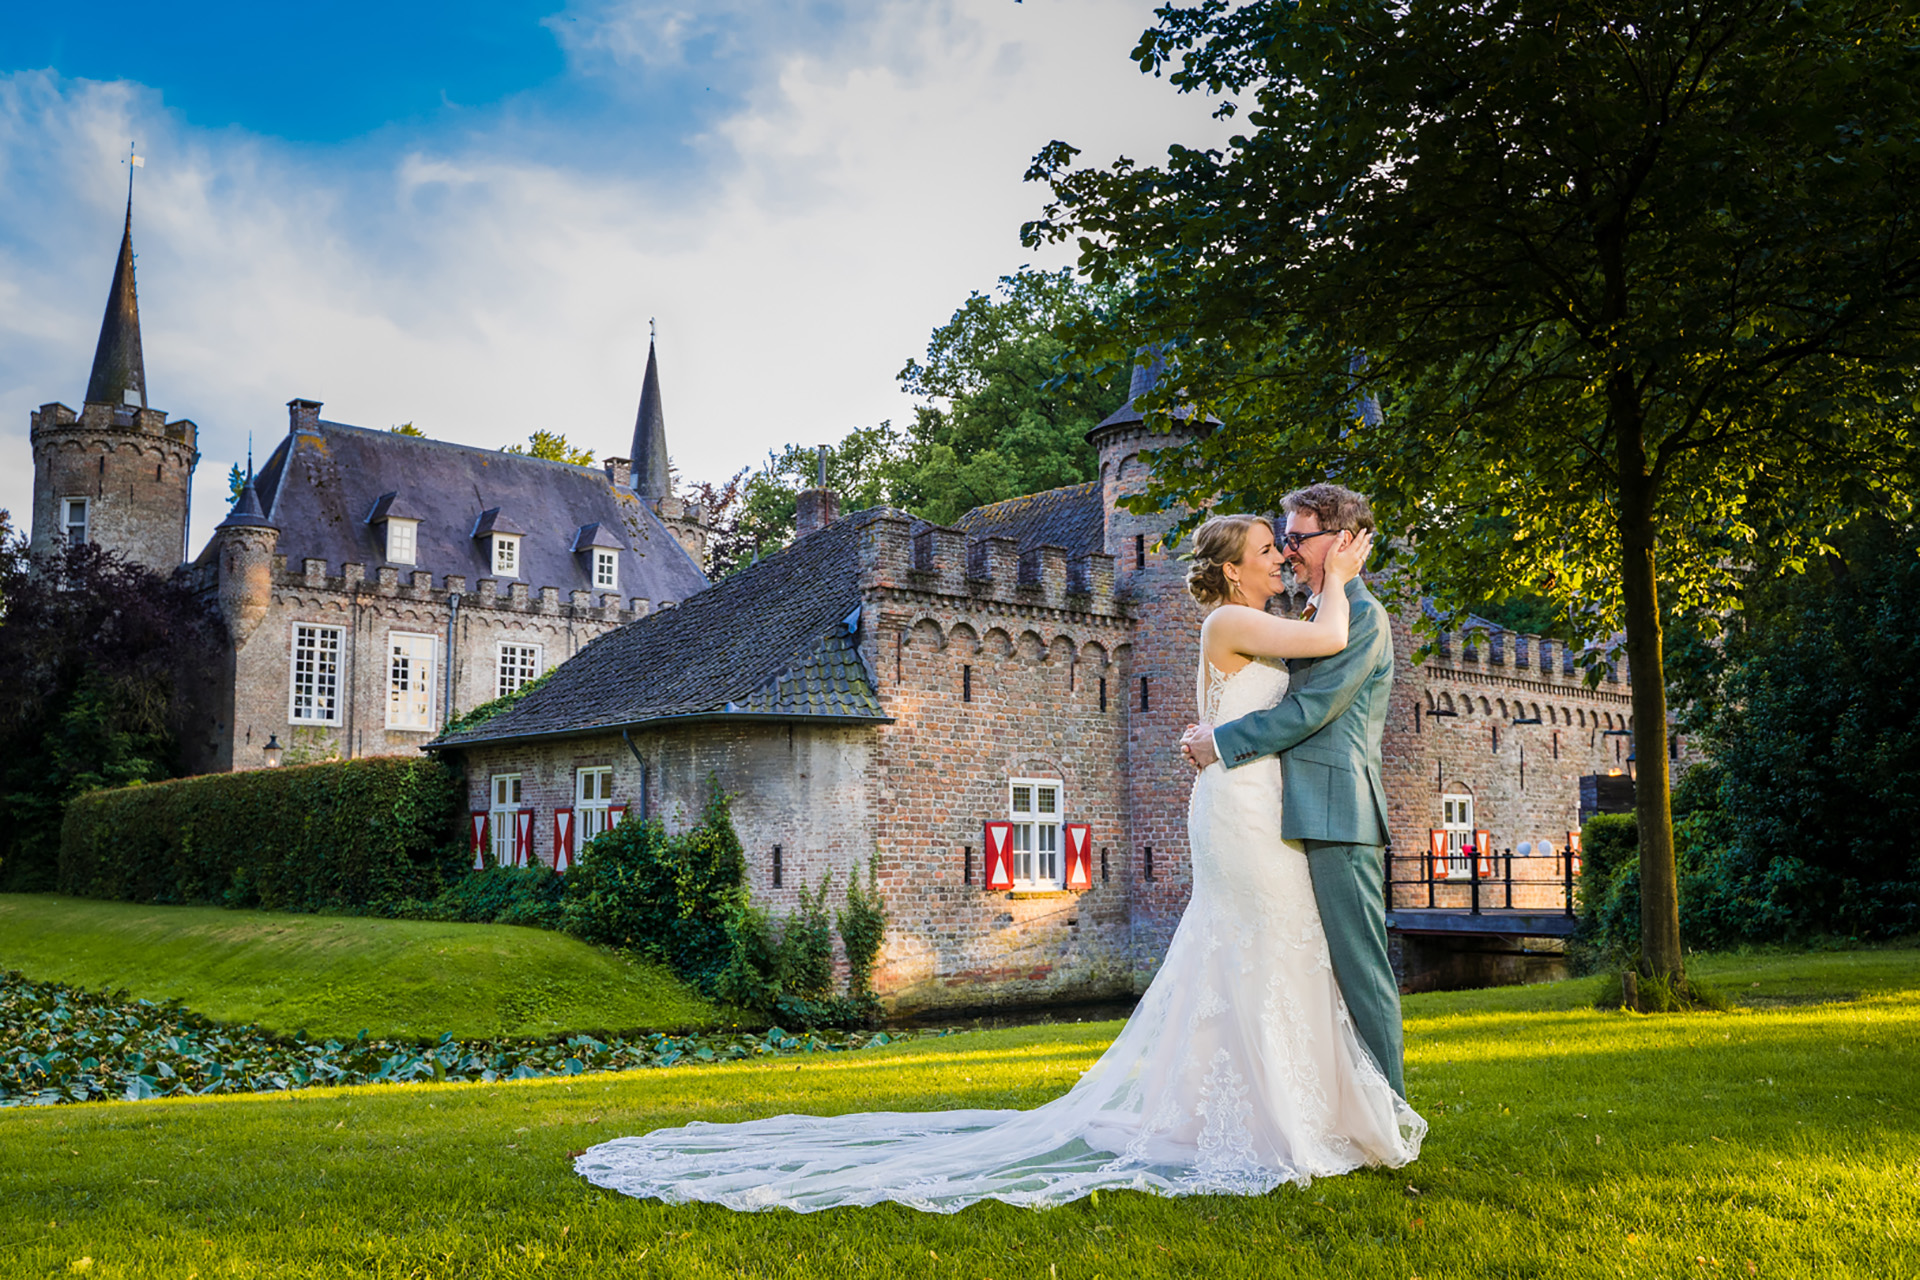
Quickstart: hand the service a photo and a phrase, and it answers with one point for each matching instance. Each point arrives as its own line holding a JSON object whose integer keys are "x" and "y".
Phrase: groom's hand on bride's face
{"x": 1197, "y": 745}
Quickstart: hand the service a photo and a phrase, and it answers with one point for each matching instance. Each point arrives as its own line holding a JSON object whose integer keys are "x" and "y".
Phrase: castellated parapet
{"x": 129, "y": 470}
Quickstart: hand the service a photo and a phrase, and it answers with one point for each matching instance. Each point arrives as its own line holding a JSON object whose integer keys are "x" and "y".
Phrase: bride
{"x": 1239, "y": 1070}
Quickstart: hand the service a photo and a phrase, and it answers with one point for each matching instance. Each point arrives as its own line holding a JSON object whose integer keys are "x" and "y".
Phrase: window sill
{"x": 1019, "y": 895}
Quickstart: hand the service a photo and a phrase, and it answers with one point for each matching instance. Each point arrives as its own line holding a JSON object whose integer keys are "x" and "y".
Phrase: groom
{"x": 1326, "y": 732}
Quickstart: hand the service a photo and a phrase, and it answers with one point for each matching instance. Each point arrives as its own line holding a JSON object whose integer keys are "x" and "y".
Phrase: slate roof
{"x": 119, "y": 376}
{"x": 777, "y": 640}
{"x": 319, "y": 487}
{"x": 1069, "y": 518}
{"x": 652, "y": 477}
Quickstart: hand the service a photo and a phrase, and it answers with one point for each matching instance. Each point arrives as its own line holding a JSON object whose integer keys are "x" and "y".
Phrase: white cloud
{"x": 840, "y": 213}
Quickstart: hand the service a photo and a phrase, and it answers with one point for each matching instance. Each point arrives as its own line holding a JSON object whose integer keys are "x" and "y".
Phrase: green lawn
{"x": 1776, "y": 1141}
{"x": 337, "y": 975}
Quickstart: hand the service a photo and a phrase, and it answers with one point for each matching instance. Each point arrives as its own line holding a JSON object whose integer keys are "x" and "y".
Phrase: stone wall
{"x": 132, "y": 466}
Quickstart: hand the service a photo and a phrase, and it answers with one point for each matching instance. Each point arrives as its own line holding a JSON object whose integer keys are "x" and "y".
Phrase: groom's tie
{"x": 1306, "y": 614}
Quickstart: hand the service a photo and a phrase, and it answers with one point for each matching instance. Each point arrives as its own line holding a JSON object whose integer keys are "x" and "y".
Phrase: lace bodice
{"x": 1260, "y": 684}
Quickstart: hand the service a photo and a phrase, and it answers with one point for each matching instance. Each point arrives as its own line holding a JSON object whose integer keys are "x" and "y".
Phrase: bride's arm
{"x": 1257, "y": 634}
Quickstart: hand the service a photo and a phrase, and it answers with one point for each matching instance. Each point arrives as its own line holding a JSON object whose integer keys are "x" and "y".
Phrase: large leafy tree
{"x": 97, "y": 651}
{"x": 1603, "y": 302}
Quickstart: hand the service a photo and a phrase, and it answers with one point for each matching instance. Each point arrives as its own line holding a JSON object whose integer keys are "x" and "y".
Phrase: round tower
{"x": 117, "y": 473}
{"x": 247, "y": 540}
{"x": 1164, "y": 654}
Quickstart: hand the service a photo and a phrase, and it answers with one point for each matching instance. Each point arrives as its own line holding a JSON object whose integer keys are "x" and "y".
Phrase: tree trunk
{"x": 1653, "y": 798}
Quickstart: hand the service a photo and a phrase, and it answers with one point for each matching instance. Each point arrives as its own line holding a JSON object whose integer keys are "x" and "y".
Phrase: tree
{"x": 96, "y": 649}
{"x": 1005, "y": 413}
{"x": 408, "y": 429}
{"x": 550, "y": 445}
{"x": 1637, "y": 281}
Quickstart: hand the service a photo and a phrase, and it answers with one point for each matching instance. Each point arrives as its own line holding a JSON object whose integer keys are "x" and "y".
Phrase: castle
{"x": 373, "y": 584}
{"x": 988, "y": 713}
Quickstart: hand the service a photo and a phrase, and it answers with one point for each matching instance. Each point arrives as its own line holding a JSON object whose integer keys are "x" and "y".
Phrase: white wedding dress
{"x": 1239, "y": 1070}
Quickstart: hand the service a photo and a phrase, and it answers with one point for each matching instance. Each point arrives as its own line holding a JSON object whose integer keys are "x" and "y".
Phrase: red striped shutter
{"x": 1437, "y": 840}
{"x": 999, "y": 862}
{"x": 562, "y": 839}
{"x": 1483, "y": 840}
{"x": 523, "y": 838}
{"x": 479, "y": 820}
{"x": 1573, "y": 850}
{"x": 616, "y": 814}
{"x": 1079, "y": 855}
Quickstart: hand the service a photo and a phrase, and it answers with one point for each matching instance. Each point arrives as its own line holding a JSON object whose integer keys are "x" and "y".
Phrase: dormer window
{"x": 503, "y": 542}
{"x": 398, "y": 526}
{"x": 506, "y": 555}
{"x": 606, "y": 570}
{"x": 599, "y": 552}
{"x": 400, "y": 541}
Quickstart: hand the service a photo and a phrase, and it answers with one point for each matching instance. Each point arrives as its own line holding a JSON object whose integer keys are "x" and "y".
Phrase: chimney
{"x": 620, "y": 472}
{"x": 818, "y": 506}
{"x": 303, "y": 415}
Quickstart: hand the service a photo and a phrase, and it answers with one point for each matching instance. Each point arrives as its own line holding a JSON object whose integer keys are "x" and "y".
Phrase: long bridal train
{"x": 1239, "y": 1070}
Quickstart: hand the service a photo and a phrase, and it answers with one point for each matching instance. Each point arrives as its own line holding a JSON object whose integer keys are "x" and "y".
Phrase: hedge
{"x": 339, "y": 834}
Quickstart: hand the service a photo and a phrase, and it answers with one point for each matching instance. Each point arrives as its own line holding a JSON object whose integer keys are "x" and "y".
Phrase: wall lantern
{"x": 272, "y": 751}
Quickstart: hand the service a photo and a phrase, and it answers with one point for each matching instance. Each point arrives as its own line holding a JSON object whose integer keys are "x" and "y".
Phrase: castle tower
{"x": 1159, "y": 680}
{"x": 247, "y": 540}
{"x": 652, "y": 476}
{"x": 117, "y": 474}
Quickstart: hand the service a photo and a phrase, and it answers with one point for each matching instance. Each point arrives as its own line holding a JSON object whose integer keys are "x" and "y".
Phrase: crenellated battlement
{"x": 904, "y": 554}
{"x": 419, "y": 585}
{"x": 1486, "y": 648}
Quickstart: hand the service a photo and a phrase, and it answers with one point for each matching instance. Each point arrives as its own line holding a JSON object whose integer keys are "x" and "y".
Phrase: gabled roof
{"x": 320, "y": 484}
{"x": 778, "y": 640}
{"x": 1072, "y": 519}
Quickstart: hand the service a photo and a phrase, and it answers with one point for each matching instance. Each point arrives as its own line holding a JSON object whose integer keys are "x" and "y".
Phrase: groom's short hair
{"x": 1333, "y": 506}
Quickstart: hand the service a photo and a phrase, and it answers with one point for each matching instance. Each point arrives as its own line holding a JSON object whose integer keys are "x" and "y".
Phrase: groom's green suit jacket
{"x": 1327, "y": 733}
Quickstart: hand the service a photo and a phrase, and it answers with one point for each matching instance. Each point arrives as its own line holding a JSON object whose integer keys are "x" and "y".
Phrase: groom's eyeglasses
{"x": 1292, "y": 541}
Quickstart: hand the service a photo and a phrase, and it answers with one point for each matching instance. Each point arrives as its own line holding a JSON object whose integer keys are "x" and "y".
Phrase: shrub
{"x": 343, "y": 834}
{"x": 532, "y": 896}
{"x": 863, "y": 926}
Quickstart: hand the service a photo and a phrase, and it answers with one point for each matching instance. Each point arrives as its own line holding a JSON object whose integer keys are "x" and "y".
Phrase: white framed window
{"x": 316, "y": 675}
{"x": 606, "y": 570}
{"x": 506, "y": 555}
{"x": 73, "y": 512}
{"x": 500, "y": 822}
{"x": 409, "y": 681}
{"x": 1456, "y": 818}
{"x": 401, "y": 540}
{"x": 1034, "y": 808}
{"x": 592, "y": 800}
{"x": 518, "y": 665}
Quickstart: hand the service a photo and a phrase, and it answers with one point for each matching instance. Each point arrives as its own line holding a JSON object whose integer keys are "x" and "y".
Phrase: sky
{"x": 464, "y": 216}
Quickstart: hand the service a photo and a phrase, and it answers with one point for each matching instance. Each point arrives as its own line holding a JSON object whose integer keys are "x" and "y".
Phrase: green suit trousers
{"x": 1348, "y": 881}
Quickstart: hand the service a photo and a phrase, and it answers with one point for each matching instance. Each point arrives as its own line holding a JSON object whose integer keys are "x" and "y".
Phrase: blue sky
{"x": 464, "y": 215}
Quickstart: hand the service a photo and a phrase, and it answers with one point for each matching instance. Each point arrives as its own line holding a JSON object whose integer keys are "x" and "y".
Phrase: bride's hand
{"x": 1346, "y": 562}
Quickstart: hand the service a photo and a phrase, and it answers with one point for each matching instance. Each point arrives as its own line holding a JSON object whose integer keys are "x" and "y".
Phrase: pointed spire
{"x": 650, "y": 476}
{"x": 119, "y": 370}
{"x": 247, "y": 511}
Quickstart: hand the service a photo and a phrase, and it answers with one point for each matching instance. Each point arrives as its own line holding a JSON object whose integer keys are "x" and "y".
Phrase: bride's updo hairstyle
{"x": 1222, "y": 540}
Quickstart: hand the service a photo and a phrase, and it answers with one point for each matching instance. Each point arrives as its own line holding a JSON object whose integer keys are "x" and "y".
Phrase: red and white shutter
{"x": 523, "y": 838}
{"x": 1573, "y": 850}
{"x": 1483, "y": 841}
{"x": 562, "y": 839}
{"x": 1079, "y": 855}
{"x": 999, "y": 863}
{"x": 616, "y": 813}
{"x": 479, "y": 820}
{"x": 1437, "y": 839}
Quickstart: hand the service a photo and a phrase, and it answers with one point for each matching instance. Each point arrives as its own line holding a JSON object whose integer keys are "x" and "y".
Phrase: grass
{"x": 1780, "y": 1140}
{"x": 337, "y": 975}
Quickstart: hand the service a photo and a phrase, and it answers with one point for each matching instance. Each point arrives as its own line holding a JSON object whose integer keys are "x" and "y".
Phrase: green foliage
{"x": 863, "y": 927}
{"x": 95, "y": 651}
{"x": 408, "y": 429}
{"x": 59, "y": 1044}
{"x": 1597, "y": 304}
{"x": 550, "y": 445}
{"x": 534, "y": 896}
{"x": 236, "y": 481}
{"x": 805, "y": 957}
{"x": 476, "y": 716}
{"x": 1003, "y": 413}
{"x": 354, "y": 833}
{"x": 1609, "y": 889}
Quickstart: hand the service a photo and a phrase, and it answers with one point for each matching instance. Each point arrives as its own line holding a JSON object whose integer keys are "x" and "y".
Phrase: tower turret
{"x": 247, "y": 541}
{"x": 117, "y": 473}
{"x": 650, "y": 474}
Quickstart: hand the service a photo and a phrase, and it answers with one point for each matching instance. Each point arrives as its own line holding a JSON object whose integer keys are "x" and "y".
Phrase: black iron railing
{"x": 1493, "y": 890}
